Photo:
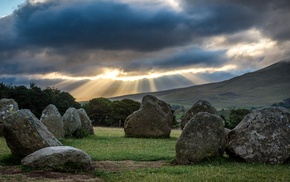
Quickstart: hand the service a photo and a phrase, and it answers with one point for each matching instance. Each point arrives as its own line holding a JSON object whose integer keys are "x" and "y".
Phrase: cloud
{"x": 190, "y": 57}
{"x": 83, "y": 38}
{"x": 97, "y": 25}
{"x": 112, "y": 25}
{"x": 268, "y": 16}
{"x": 62, "y": 35}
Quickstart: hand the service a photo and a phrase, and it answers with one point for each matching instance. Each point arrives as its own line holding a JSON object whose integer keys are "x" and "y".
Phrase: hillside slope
{"x": 260, "y": 88}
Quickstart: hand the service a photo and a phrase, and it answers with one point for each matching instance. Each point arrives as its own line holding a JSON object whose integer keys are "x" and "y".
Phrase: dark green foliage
{"x": 99, "y": 110}
{"x": 122, "y": 109}
{"x": 235, "y": 117}
{"x": 36, "y": 99}
{"x": 10, "y": 160}
{"x": 104, "y": 112}
{"x": 80, "y": 133}
{"x": 285, "y": 103}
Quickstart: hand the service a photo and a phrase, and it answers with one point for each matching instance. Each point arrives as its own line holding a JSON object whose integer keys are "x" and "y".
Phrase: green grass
{"x": 110, "y": 144}
{"x": 207, "y": 172}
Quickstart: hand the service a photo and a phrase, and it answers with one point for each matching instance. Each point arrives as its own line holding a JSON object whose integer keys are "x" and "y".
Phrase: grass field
{"x": 109, "y": 146}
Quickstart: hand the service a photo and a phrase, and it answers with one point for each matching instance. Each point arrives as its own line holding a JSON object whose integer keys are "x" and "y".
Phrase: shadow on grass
{"x": 10, "y": 160}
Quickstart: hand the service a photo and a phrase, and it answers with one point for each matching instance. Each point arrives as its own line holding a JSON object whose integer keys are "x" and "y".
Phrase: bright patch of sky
{"x": 8, "y": 6}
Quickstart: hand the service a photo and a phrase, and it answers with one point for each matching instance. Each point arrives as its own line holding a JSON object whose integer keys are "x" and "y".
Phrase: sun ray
{"x": 116, "y": 82}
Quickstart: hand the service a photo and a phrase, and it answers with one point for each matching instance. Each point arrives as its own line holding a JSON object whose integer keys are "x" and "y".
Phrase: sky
{"x": 105, "y": 48}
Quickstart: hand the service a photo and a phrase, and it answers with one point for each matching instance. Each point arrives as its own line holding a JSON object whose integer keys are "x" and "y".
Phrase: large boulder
{"x": 25, "y": 134}
{"x": 262, "y": 136}
{"x": 85, "y": 121}
{"x": 72, "y": 121}
{"x": 152, "y": 120}
{"x": 59, "y": 158}
{"x": 52, "y": 119}
{"x": 203, "y": 137}
{"x": 7, "y": 106}
{"x": 199, "y": 106}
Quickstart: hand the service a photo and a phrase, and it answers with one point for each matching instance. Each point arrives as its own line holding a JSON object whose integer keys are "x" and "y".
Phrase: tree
{"x": 104, "y": 112}
{"x": 99, "y": 110}
{"x": 5, "y": 90}
{"x": 36, "y": 99}
{"x": 122, "y": 109}
{"x": 235, "y": 117}
{"x": 285, "y": 103}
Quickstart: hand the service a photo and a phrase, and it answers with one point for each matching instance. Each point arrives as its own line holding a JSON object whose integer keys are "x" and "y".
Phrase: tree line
{"x": 102, "y": 111}
{"x": 36, "y": 99}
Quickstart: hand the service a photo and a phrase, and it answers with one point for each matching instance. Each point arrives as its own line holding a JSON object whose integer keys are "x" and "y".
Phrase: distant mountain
{"x": 256, "y": 89}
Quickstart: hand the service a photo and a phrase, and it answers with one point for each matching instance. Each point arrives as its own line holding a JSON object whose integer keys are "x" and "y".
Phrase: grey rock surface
{"x": 152, "y": 120}
{"x": 7, "y": 106}
{"x": 72, "y": 121}
{"x": 60, "y": 158}
{"x": 52, "y": 119}
{"x": 262, "y": 136}
{"x": 203, "y": 137}
{"x": 86, "y": 121}
{"x": 199, "y": 106}
{"x": 24, "y": 133}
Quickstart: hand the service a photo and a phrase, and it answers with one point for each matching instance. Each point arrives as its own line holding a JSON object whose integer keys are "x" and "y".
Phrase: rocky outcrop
{"x": 59, "y": 158}
{"x": 7, "y": 106}
{"x": 199, "y": 106}
{"x": 25, "y": 134}
{"x": 52, "y": 119}
{"x": 72, "y": 121}
{"x": 152, "y": 120}
{"x": 203, "y": 137}
{"x": 85, "y": 121}
{"x": 262, "y": 136}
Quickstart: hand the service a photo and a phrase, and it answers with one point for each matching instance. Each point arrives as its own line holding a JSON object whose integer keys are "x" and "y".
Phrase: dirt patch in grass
{"x": 16, "y": 173}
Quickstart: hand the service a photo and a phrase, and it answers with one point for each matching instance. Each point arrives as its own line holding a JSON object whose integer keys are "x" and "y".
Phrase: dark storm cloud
{"x": 271, "y": 17}
{"x": 184, "y": 59}
{"x": 67, "y": 36}
{"x": 112, "y": 25}
{"x": 61, "y": 36}
{"x": 97, "y": 25}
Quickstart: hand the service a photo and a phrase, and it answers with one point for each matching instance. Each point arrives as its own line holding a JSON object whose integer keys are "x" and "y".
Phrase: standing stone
{"x": 152, "y": 120}
{"x": 199, "y": 106}
{"x": 25, "y": 134}
{"x": 203, "y": 137}
{"x": 262, "y": 136}
{"x": 86, "y": 122}
{"x": 52, "y": 119}
{"x": 59, "y": 158}
{"x": 7, "y": 106}
{"x": 72, "y": 121}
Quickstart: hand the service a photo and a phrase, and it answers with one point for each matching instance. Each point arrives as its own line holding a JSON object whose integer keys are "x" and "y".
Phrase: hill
{"x": 256, "y": 89}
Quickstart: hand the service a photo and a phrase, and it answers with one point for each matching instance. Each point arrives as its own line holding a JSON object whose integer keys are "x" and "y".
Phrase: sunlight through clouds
{"x": 253, "y": 49}
{"x": 114, "y": 82}
{"x": 105, "y": 48}
{"x": 115, "y": 74}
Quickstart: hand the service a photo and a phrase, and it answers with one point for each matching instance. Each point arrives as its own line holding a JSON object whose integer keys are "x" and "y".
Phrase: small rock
{"x": 59, "y": 158}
